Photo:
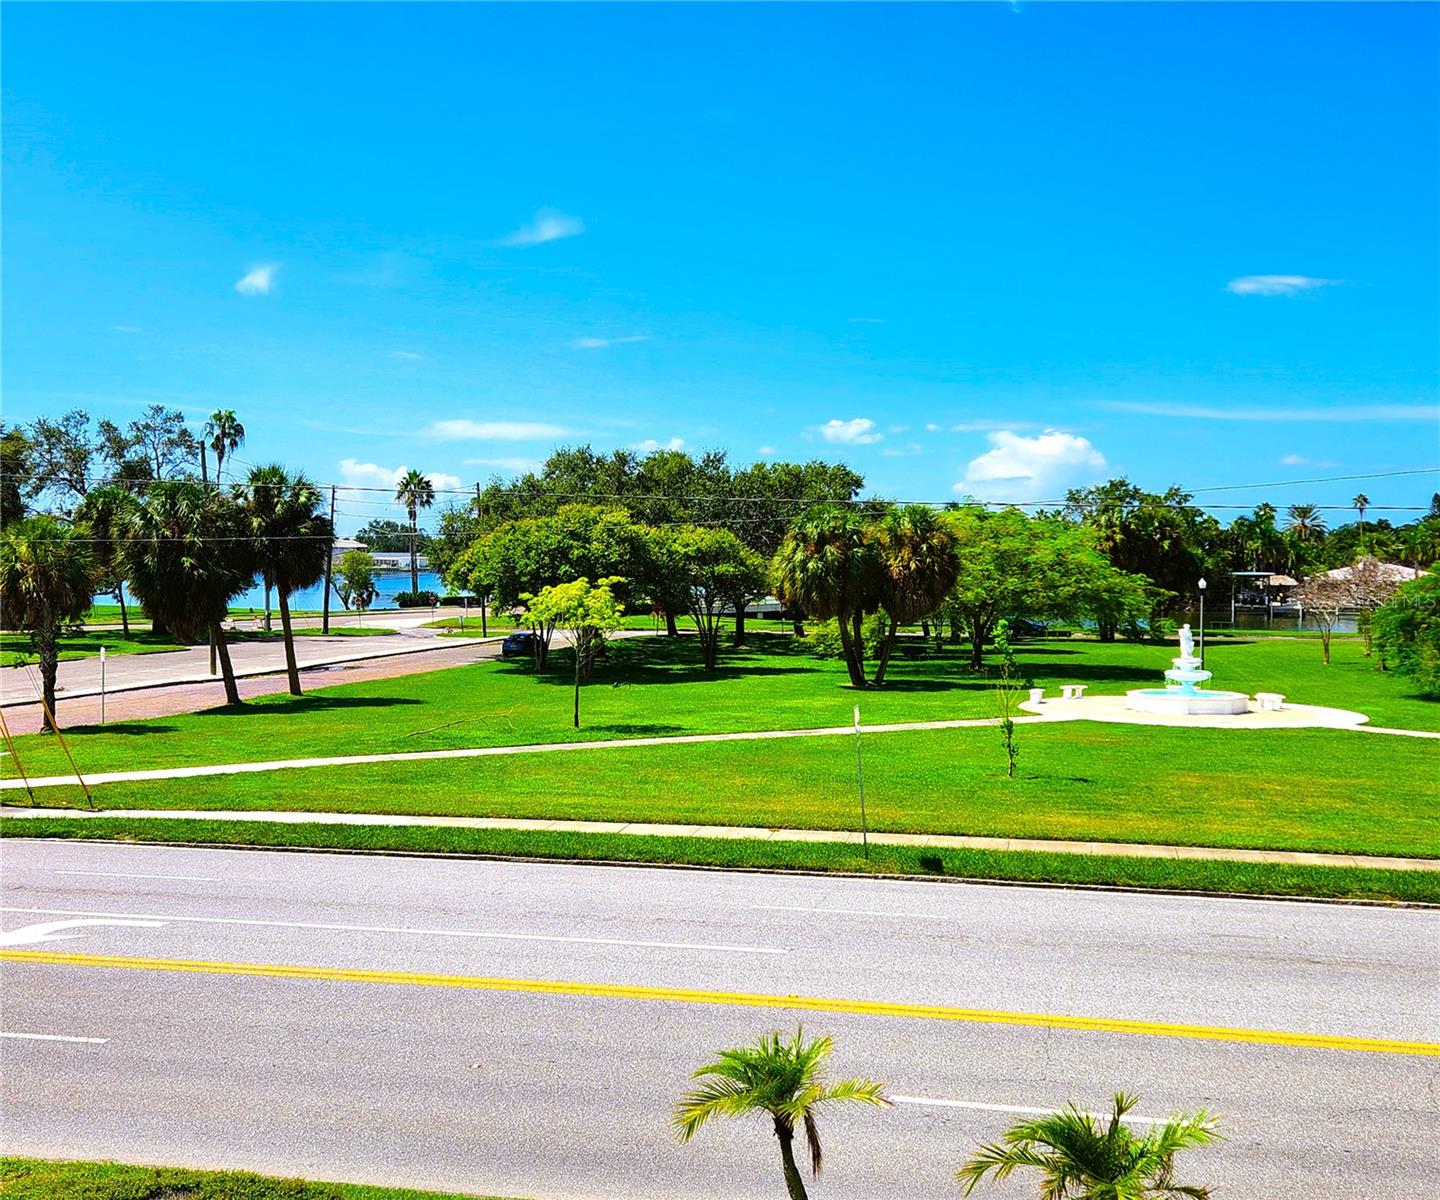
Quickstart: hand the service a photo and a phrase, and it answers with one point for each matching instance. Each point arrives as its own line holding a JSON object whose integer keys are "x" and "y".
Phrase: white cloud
{"x": 595, "y": 343}
{"x": 516, "y": 464}
{"x": 650, "y": 445}
{"x": 860, "y": 431}
{"x": 1342, "y": 412}
{"x": 258, "y": 280}
{"x": 407, "y": 356}
{"x": 767, "y": 451}
{"x": 124, "y": 329}
{"x": 495, "y": 431}
{"x": 373, "y": 475}
{"x": 1299, "y": 460}
{"x": 549, "y": 225}
{"x": 1276, "y": 285}
{"x": 903, "y": 452}
{"x": 1031, "y": 468}
{"x": 897, "y": 428}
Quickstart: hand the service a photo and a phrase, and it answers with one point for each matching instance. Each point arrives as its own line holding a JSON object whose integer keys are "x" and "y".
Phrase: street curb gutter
{"x": 457, "y": 856}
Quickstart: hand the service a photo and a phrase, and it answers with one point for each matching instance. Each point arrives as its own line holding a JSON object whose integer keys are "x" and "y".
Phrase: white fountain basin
{"x": 1193, "y": 702}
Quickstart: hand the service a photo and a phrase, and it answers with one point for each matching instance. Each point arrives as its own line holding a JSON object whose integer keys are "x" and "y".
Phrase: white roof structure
{"x": 1387, "y": 572}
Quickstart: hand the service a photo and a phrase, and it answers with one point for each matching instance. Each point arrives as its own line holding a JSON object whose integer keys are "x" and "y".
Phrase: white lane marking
{"x": 54, "y": 1037}
{"x": 978, "y": 1106}
{"x": 854, "y": 912}
{"x": 140, "y": 875}
{"x": 50, "y": 931}
{"x": 408, "y": 929}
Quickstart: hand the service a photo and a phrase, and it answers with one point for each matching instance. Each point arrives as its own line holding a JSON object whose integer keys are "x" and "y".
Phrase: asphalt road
{"x": 434, "y": 1082}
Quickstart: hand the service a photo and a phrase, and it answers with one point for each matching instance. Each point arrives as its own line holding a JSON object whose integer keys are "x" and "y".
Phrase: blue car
{"x": 517, "y": 644}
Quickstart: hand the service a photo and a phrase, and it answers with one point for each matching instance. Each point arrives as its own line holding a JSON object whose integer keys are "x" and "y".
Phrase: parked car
{"x": 517, "y": 644}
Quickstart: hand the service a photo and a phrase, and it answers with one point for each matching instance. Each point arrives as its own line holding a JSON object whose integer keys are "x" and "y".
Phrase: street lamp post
{"x": 1202, "y": 624}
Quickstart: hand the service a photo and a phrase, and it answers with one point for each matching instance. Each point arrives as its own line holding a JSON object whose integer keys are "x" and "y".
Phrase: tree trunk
{"x": 124, "y": 612}
{"x": 857, "y": 622}
{"x": 484, "y": 604}
{"x": 577, "y": 685}
{"x": 847, "y": 647}
{"x": 886, "y": 647}
{"x": 267, "y": 603}
{"x": 291, "y": 668}
{"x": 1325, "y": 645}
{"x": 740, "y": 625}
{"x": 794, "y": 1183}
{"x": 670, "y": 628}
{"x": 414, "y": 561}
{"x": 1106, "y": 630}
{"x": 978, "y": 635}
{"x": 48, "y": 650}
{"x": 227, "y": 671}
{"x": 797, "y": 626}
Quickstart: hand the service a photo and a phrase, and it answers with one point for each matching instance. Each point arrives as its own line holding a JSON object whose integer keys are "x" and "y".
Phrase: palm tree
{"x": 919, "y": 563}
{"x": 187, "y": 553}
{"x": 293, "y": 538}
{"x": 46, "y": 582}
{"x": 827, "y": 569}
{"x": 101, "y": 511}
{"x": 224, "y": 434}
{"x": 1361, "y": 503}
{"x": 781, "y": 1078}
{"x": 1306, "y": 522}
{"x": 1082, "y": 1160}
{"x": 415, "y": 492}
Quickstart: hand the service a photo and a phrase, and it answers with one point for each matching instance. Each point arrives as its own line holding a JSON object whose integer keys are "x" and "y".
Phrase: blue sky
{"x": 984, "y": 248}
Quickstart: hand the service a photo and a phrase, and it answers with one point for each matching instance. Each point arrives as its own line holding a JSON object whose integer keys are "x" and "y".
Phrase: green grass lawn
{"x": 18, "y": 649}
{"x": 38, "y": 1179}
{"x": 1294, "y": 789}
{"x": 1257, "y": 879}
{"x": 1286, "y": 789}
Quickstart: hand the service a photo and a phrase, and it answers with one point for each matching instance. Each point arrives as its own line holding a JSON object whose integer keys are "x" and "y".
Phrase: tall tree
{"x": 1361, "y": 503}
{"x": 1159, "y": 535}
{"x": 188, "y": 553}
{"x": 712, "y": 570}
{"x": 780, "y": 1078}
{"x": 46, "y": 577}
{"x": 1305, "y": 522}
{"x": 918, "y": 565}
{"x": 827, "y": 568}
{"x": 1013, "y": 566}
{"x": 15, "y": 469}
{"x": 166, "y": 441}
{"x": 285, "y": 514}
{"x": 103, "y": 512}
{"x": 1081, "y": 1158}
{"x": 355, "y": 579}
{"x": 415, "y": 492}
{"x": 224, "y": 434}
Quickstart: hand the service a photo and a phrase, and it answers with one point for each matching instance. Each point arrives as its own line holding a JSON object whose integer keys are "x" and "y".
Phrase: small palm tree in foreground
{"x": 779, "y": 1077}
{"x": 1082, "y": 1159}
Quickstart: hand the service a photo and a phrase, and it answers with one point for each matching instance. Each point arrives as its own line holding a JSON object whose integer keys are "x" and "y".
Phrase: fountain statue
{"x": 1180, "y": 695}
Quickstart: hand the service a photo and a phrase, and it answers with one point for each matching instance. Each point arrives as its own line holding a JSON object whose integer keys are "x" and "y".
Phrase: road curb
{"x": 888, "y": 877}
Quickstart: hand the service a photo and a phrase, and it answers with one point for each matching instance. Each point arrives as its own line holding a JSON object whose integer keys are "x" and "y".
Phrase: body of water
{"x": 388, "y": 584}
{"x": 1256, "y": 619}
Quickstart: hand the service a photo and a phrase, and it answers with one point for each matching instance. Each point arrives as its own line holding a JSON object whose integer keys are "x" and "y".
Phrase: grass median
{"x": 41, "y": 1179}
{"x": 1256, "y": 879}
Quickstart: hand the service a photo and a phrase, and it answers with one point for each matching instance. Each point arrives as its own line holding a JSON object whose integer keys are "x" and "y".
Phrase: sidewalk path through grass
{"x": 1292, "y": 858}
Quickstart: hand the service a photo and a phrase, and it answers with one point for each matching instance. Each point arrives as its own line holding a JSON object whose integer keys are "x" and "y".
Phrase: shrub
{"x": 416, "y": 599}
{"x": 1407, "y": 631}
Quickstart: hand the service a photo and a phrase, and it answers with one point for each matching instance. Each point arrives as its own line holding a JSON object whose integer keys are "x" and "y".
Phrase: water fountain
{"x": 1180, "y": 695}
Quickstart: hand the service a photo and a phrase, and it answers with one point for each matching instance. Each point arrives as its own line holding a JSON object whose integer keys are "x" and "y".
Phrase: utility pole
{"x": 484, "y": 631}
{"x": 329, "y": 562}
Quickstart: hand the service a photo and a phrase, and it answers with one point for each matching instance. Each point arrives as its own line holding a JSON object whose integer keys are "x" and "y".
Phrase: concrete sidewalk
{"x": 1289, "y": 858}
{"x": 173, "y": 668}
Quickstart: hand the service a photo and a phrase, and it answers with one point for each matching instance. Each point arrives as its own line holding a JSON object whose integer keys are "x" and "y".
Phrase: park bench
{"x": 1073, "y": 691}
{"x": 1269, "y": 701}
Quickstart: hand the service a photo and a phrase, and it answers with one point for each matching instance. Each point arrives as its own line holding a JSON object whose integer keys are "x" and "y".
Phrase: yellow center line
{"x": 869, "y": 1008}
